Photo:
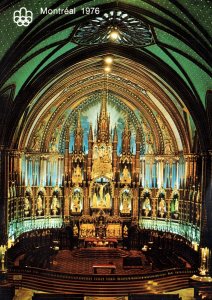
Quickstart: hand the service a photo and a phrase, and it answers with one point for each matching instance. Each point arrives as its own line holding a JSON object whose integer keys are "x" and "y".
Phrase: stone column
{"x": 206, "y": 214}
{"x": 135, "y": 202}
{"x": 86, "y": 207}
{"x": 4, "y": 196}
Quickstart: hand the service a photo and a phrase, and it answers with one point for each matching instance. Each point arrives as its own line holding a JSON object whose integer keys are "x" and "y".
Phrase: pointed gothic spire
{"x": 103, "y": 122}
{"x": 115, "y": 134}
{"x": 103, "y": 111}
{"x": 90, "y": 135}
{"x": 126, "y": 137}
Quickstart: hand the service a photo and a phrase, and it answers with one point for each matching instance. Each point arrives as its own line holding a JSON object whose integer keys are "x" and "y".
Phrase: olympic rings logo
{"x": 23, "y": 17}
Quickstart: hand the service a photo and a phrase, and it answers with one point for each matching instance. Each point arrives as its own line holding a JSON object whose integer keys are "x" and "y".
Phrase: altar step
{"x": 98, "y": 252}
{"x": 103, "y": 289}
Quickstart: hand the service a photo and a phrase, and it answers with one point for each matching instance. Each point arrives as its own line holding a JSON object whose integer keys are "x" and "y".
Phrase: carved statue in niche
{"x": 77, "y": 175}
{"x": 101, "y": 188}
{"x": 175, "y": 206}
{"x": 101, "y": 196}
{"x": 149, "y": 142}
{"x": 125, "y": 208}
{"x": 161, "y": 207}
{"x": 75, "y": 230}
{"x": 39, "y": 205}
{"x": 125, "y": 231}
{"x": 126, "y": 202}
{"x": 26, "y": 206}
{"x": 35, "y": 143}
{"x": 126, "y": 177}
{"x": 102, "y": 202}
{"x": 102, "y": 161}
{"x": 168, "y": 147}
{"x": 76, "y": 207}
{"x": 147, "y": 206}
{"x": 55, "y": 207}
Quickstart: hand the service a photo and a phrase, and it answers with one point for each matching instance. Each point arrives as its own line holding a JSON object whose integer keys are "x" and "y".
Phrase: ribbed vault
{"x": 151, "y": 105}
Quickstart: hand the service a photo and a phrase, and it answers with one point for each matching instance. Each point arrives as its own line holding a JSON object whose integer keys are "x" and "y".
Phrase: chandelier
{"x": 116, "y": 27}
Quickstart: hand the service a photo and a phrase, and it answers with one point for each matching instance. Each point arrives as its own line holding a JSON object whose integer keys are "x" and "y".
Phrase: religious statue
{"x": 26, "y": 206}
{"x": 150, "y": 149}
{"x": 77, "y": 170}
{"x": 176, "y": 205}
{"x": 147, "y": 206}
{"x": 125, "y": 204}
{"x": 39, "y": 205}
{"x": 126, "y": 178}
{"x": 83, "y": 230}
{"x": 55, "y": 205}
{"x": 75, "y": 230}
{"x": 76, "y": 203}
{"x": 101, "y": 190}
{"x": 162, "y": 207}
{"x": 35, "y": 143}
{"x": 102, "y": 162}
{"x": 77, "y": 175}
{"x": 125, "y": 231}
{"x": 168, "y": 147}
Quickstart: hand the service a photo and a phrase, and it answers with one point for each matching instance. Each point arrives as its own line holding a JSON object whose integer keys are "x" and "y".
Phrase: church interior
{"x": 105, "y": 150}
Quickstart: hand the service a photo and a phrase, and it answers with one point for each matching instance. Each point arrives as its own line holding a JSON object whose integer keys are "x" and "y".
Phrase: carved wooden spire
{"x": 90, "y": 134}
{"x": 126, "y": 137}
{"x": 103, "y": 123}
{"x": 115, "y": 135}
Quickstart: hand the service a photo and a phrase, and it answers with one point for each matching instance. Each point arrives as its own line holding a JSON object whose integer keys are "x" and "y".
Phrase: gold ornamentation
{"x": 39, "y": 205}
{"x": 102, "y": 161}
{"x": 126, "y": 197}
{"x": 77, "y": 175}
{"x": 126, "y": 177}
{"x": 75, "y": 230}
{"x": 101, "y": 197}
{"x": 55, "y": 205}
{"x": 114, "y": 230}
{"x": 87, "y": 230}
{"x": 125, "y": 231}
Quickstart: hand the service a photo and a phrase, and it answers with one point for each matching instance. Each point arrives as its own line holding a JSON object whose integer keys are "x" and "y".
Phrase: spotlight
{"x": 108, "y": 60}
{"x": 107, "y": 69}
{"x": 114, "y": 35}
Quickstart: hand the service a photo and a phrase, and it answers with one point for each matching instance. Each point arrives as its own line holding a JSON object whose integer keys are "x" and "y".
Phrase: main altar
{"x": 98, "y": 209}
{"x": 102, "y": 177}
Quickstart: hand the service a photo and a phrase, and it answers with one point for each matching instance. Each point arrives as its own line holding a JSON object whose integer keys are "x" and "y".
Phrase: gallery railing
{"x": 96, "y": 277}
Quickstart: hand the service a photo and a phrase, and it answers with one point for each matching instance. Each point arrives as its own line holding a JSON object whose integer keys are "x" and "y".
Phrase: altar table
{"x": 111, "y": 267}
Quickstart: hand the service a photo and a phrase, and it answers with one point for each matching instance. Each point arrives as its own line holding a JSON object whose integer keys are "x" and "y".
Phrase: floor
{"x": 25, "y": 294}
{"x": 66, "y": 262}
